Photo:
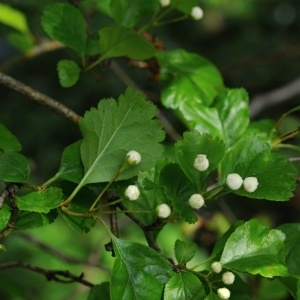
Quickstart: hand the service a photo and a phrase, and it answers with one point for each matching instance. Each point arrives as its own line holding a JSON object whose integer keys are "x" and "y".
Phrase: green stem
{"x": 285, "y": 137}
{"x": 94, "y": 64}
{"x": 199, "y": 265}
{"x": 49, "y": 181}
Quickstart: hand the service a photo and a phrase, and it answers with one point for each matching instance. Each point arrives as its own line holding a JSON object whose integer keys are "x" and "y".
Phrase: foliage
{"x": 95, "y": 171}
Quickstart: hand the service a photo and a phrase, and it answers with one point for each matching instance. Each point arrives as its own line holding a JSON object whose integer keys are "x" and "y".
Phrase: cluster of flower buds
{"x": 234, "y": 181}
{"x": 227, "y": 278}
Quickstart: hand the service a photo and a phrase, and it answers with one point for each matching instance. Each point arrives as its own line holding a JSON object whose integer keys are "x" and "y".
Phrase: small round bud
{"x": 197, "y": 13}
{"x": 164, "y": 3}
{"x": 196, "y": 201}
{"x": 234, "y": 181}
{"x": 201, "y": 163}
{"x": 223, "y": 293}
{"x": 132, "y": 192}
{"x": 250, "y": 184}
{"x": 228, "y": 278}
{"x": 133, "y": 157}
{"x": 163, "y": 211}
{"x": 216, "y": 267}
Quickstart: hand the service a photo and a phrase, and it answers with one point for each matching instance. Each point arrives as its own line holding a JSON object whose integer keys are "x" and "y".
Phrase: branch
{"x": 55, "y": 252}
{"x": 261, "y": 102}
{"x": 55, "y": 275}
{"x": 39, "y": 98}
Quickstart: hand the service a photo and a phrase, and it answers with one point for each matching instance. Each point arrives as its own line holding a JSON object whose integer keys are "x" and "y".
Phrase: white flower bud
{"x": 133, "y": 157}
{"x": 250, "y": 184}
{"x": 223, "y": 293}
{"x": 165, "y": 2}
{"x": 132, "y": 192}
{"x": 234, "y": 181}
{"x": 163, "y": 210}
{"x": 216, "y": 267}
{"x": 201, "y": 163}
{"x": 196, "y": 201}
{"x": 197, "y": 13}
{"x": 228, "y": 278}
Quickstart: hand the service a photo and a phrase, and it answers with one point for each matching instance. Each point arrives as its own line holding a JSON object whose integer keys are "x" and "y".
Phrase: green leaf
{"x": 13, "y": 18}
{"x": 185, "y": 6}
{"x": 121, "y": 41}
{"x": 115, "y": 128}
{"x": 129, "y": 12}
{"x": 194, "y": 143}
{"x": 292, "y": 247}
{"x": 139, "y": 273}
{"x": 184, "y": 285}
{"x": 14, "y": 167}
{"x": 64, "y": 23}
{"x": 194, "y": 80}
{"x": 5, "y": 213}
{"x": 233, "y": 110}
{"x": 23, "y": 42}
{"x": 2, "y": 247}
{"x": 212, "y": 296}
{"x": 255, "y": 249}
{"x": 71, "y": 167}
{"x": 184, "y": 252}
{"x": 8, "y": 141}
{"x": 178, "y": 189}
{"x": 41, "y": 201}
{"x": 29, "y": 220}
{"x": 251, "y": 156}
{"x": 100, "y": 292}
{"x": 68, "y": 72}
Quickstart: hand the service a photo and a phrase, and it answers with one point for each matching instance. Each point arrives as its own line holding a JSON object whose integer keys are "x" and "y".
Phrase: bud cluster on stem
{"x": 234, "y": 181}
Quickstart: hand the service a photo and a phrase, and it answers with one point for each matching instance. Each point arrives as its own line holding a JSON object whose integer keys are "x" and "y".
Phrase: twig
{"x": 55, "y": 252}
{"x": 39, "y": 98}
{"x": 54, "y": 275}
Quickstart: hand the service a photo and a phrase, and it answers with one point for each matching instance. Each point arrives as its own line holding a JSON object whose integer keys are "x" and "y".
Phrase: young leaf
{"x": 178, "y": 189}
{"x": 139, "y": 273}
{"x": 5, "y": 214}
{"x": 8, "y": 141}
{"x": 29, "y": 220}
{"x": 184, "y": 252}
{"x": 194, "y": 143}
{"x": 292, "y": 247}
{"x": 64, "y": 23}
{"x": 194, "y": 81}
{"x": 184, "y": 285}
{"x": 71, "y": 167}
{"x": 68, "y": 72}
{"x": 13, "y": 18}
{"x": 112, "y": 130}
{"x": 122, "y": 41}
{"x": 41, "y": 201}
{"x": 251, "y": 156}
{"x": 14, "y": 167}
{"x": 128, "y": 13}
{"x": 255, "y": 249}
{"x": 23, "y": 42}
{"x": 100, "y": 292}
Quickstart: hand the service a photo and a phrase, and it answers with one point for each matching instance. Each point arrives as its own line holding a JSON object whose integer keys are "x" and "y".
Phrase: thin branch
{"x": 55, "y": 275}
{"x": 39, "y": 98}
{"x": 274, "y": 97}
{"x": 55, "y": 252}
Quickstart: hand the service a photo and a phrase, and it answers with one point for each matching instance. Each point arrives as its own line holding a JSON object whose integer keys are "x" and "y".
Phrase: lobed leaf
{"x": 139, "y": 273}
{"x": 68, "y": 72}
{"x": 5, "y": 213}
{"x": 184, "y": 252}
{"x": 194, "y": 143}
{"x": 255, "y": 249}
{"x": 8, "y": 141}
{"x": 122, "y": 41}
{"x": 64, "y": 23}
{"x": 14, "y": 167}
{"x": 115, "y": 128}
{"x": 40, "y": 201}
{"x": 184, "y": 285}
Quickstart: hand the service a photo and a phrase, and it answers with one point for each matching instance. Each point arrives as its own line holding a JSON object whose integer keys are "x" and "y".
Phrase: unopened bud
{"x": 163, "y": 210}
{"x": 132, "y": 192}
{"x": 165, "y": 2}
{"x": 133, "y": 157}
{"x": 228, "y": 278}
{"x": 234, "y": 181}
{"x": 196, "y": 201}
{"x": 250, "y": 184}
{"x": 201, "y": 163}
{"x": 216, "y": 267}
{"x": 197, "y": 13}
{"x": 223, "y": 293}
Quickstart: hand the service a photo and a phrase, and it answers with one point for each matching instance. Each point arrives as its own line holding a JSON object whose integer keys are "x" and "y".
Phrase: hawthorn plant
{"x": 120, "y": 166}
